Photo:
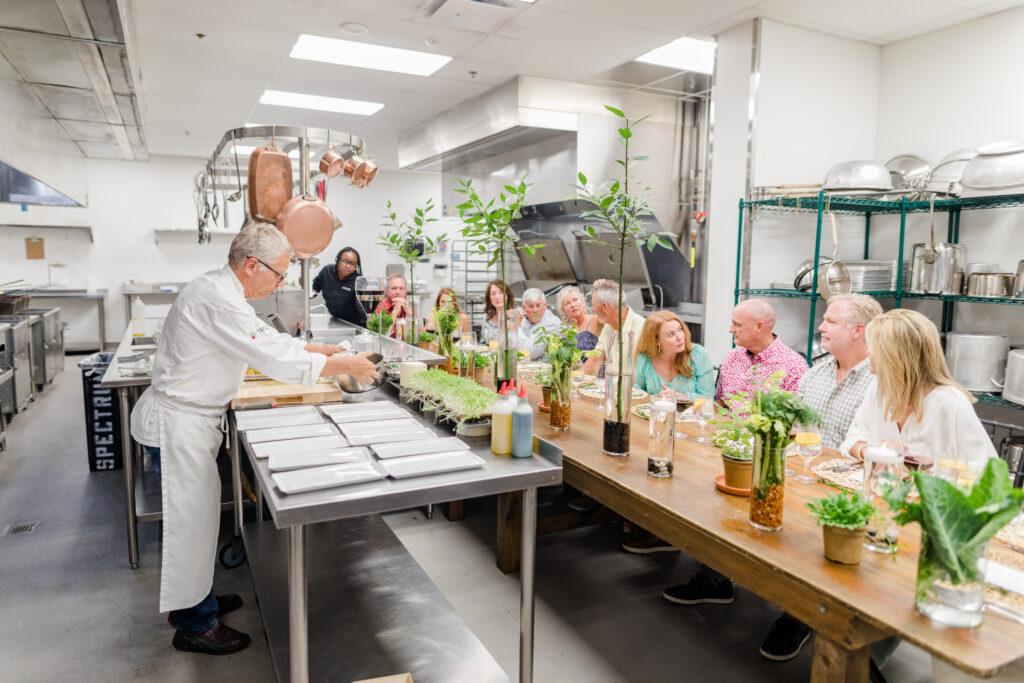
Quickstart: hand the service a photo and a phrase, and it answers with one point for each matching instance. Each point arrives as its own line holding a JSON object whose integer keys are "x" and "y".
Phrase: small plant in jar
{"x": 542, "y": 378}
{"x": 447, "y": 323}
{"x": 844, "y": 519}
{"x": 379, "y": 322}
{"x": 563, "y": 356}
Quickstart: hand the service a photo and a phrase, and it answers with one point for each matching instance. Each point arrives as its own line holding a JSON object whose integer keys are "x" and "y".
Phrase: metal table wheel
{"x": 232, "y": 553}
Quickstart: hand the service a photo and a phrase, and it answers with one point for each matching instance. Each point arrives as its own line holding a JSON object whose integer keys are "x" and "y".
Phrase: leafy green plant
{"x": 957, "y": 523}
{"x": 447, "y": 322}
{"x": 379, "y": 322}
{"x": 425, "y": 337}
{"x": 563, "y": 356}
{"x": 622, "y": 213}
{"x": 488, "y": 226}
{"x": 772, "y": 416}
{"x": 458, "y": 398}
{"x": 843, "y": 510}
{"x": 403, "y": 238}
{"x": 734, "y": 440}
{"x": 542, "y": 378}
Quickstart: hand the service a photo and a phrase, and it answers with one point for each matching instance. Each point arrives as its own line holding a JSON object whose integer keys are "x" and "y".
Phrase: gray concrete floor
{"x": 73, "y": 611}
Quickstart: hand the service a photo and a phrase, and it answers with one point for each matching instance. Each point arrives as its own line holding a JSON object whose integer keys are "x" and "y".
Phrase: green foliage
{"x": 425, "y": 337}
{"x": 563, "y": 355}
{"x": 460, "y": 397}
{"x": 401, "y": 237}
{"x": 447, "y": 323}
{"x": 475, "y": 358}
{"x": 733, "y": 439}
{"x": 843, "y": 510}
{"x": 379, "y": 322}
{"x": 542, "y": 378}
{"x": 774, "y": 412}
{"x": 957, "y": 523}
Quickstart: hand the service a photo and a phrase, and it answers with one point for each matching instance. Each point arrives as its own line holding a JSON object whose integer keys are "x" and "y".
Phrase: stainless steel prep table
{"x": 500, "y": 474}
{"x": 97, "y": 295}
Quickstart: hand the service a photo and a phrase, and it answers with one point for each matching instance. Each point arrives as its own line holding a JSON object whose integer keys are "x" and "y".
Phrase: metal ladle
{"x": 929, "y": 253}
{"x": 836, "y": 279}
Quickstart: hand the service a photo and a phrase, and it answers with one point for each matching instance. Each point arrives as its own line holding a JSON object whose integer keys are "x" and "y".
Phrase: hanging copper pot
{"x": 331, "y": 163}
{"x": 352, "y": 164}
{"x": 270, "y": 182}
{"x": 307, "y": 223}
{"x": 365, "y": 174}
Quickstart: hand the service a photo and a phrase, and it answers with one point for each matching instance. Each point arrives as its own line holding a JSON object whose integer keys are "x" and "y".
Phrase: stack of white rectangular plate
{"x": 277, "y": 417}
{"x": 341, "y": 413}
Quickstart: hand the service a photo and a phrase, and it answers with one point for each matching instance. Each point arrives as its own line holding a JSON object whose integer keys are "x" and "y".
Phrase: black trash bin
{"x": 102, "y": 415}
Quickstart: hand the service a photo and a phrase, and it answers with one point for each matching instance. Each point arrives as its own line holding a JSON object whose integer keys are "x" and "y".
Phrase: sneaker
{"x": 648, "y": 544}
{"x": 784, "y": 639}
{"x": 699, "y": 590}
{"x": 582, "y": 503}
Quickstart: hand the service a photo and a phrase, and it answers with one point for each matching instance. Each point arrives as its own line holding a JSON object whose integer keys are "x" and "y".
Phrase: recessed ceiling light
{"x": 354, "y": 29}
{"x": 367, "y": 55}
{"x": 319, "y": 102}
{"x": 689, "y": 54}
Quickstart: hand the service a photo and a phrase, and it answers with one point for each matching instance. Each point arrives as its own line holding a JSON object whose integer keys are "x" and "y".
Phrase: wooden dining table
{"x": 848, "y": 606}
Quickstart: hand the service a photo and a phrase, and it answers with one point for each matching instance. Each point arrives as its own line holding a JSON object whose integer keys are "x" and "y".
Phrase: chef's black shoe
{"x": 218, "y": 640}
{"x": 228, "y": 603}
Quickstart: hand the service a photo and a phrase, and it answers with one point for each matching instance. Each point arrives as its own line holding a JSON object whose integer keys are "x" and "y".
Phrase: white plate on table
{"x": 377, "y": 426}
{"x": 385, "y": 413}
{"x": 406, "y": 448}
{"x": 294, "y": 432}
{"x": 316, "y": 478}
{"x": 283, "y": 462}
{"x": 309, "y": 444}
{"x": 374, "y": 438}
{"x": 276, "y": 417}
{"x": 432, "y": 463}
{"x": 348, "y": 408}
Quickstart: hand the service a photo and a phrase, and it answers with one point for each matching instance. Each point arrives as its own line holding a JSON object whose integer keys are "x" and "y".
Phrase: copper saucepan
{"x": 331, "y": 163}
{"x": 365, "y": 174}
{"x": 307, "y": 223}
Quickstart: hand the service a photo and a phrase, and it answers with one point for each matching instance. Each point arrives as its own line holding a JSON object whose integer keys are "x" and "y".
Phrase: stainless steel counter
{"x": 329, "y": 330}
{"x": 97, "y": 295}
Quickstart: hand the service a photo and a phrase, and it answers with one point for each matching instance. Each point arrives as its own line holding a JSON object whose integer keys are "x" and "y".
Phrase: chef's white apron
{"x": 190, "y": 438}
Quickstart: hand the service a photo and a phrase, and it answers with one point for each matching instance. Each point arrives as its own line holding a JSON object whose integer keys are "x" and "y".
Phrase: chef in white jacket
{"x": 208, "y": 339}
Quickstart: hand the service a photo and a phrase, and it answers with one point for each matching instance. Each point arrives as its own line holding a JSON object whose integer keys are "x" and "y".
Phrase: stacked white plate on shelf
{"x": 420, "y": 458}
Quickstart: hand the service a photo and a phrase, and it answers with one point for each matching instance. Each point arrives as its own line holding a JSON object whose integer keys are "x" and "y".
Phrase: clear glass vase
{"x": 618, "y": 393}
{"x": 561, "y": 393}
{"x": 768, "y": 481}
{"x": 950, "y": 598}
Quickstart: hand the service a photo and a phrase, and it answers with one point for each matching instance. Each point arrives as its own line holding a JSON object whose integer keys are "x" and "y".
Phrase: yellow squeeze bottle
{"x": 501, "y": 423}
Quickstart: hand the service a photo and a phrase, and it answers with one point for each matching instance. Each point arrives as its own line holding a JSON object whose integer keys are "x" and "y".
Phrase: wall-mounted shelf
{"x": 887, "y": 294}
{"x": 24, "y": 226}
{"x": 190, "y": 231}
{"x": 993, "y": 400}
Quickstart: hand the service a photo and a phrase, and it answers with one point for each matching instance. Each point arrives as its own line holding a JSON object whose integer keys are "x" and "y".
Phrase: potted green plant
{"x": 772, "y": 415}
{"x": 411, "y": 243}
{"x": 737, "y": 447}
{"x": 450, "y": 397}
{"x": 447, "y": 322}
{"x": 843, "y": 518}
{"x": 542, "y": 378}
{"x": 620, "y": 212}
{"x": 563, "y": 355}
{"x": 481, "y": 362}
{"x": 379, "y": 322}
{"x": 424, "y": 339}
{"x": 488, "y": 226}
{"x": 956, "y": 526}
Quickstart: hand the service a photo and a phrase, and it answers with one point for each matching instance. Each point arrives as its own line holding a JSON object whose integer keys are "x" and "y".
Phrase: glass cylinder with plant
{"x": 563, "y": 356}
{"x": 772, "y": 416}
{"x": 447, "y": 322}
{"x": 844, "y": 519}
{"x": 488, "y": 226}
{"x": 620, "y": 213}
{"x": 956, "y": 526}
{"x": 380, "y": 322}
{"x": 408, "y": 239}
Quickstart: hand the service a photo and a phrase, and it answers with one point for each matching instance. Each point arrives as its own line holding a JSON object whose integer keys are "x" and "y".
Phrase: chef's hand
{"x": 325, "y": 349}
{"x": 358, "y": 366}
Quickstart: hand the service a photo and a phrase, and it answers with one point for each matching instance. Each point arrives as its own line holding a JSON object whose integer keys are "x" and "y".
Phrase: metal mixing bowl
{"x": 349, "y": 384}
{"x": 908, "y": 172}
{"x": 997, "y": 169}
{"x": 858, "y": 175}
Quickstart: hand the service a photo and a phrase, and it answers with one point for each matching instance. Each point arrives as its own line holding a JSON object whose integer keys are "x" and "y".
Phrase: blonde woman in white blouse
{"x": 914, "y": 399}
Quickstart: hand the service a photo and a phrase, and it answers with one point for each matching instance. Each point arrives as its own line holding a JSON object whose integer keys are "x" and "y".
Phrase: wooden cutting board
{"x": 281, "y": 393}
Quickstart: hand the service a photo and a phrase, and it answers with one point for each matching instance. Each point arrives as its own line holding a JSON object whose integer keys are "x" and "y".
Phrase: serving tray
{"x": 283, "y": 462}
{"x": 433, "y": 463}
{"x": 406, "y": 448}
{"x": 276, "y": 417}
{"x": 294, "y": 432}
{"x": 309, "y": 444}
{"x": 374, "y": 438}
{"x": 316, "y": 478}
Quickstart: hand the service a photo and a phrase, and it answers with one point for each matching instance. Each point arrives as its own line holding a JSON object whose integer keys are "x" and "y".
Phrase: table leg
{"x": 298, "y": 637}
{"x": 235, "y": 456}
{"x": 526, "y": 592}
{"x": 509, "y": 532}
{"x": 101, "y": 313}
{"x": 128, "y": 465}
{"x": 259, "y": 499}
{"x": 834, "y": 663}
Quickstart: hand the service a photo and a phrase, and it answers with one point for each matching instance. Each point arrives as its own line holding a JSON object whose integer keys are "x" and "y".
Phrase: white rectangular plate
{"x": 363, "y": 406}
{"x": 390, "y": 437}
{"x": 433, "y": 463}
{"x": 402, "y": 423}
{"x": 282, "y": 462}
{"x": 276, "y": 417}
{"x": 296, "y": 432}
{"x": 315, "y": 478}
{"x": 405, "y": 448}
{"x": 307, "y": 445}
{"x": 389, "y": 413}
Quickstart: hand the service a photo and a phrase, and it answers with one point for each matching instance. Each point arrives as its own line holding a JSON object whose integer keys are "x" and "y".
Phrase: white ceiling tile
{"x": 191, "y": 76}
{"x": 289, "y": 116}
{"x": 477, "y": 72}
{"x": 70, "y": 103}
{"x": 410, "y": 35}
{"x": 473, "y": 15}
{"x": 449, "y": 87}
{"x": 421, "y": 105}
{"x": 679, "y": 17}
{"x": 34, "y": 15}
{"x": 928, "y": 27}
{"x": 284, "y": 15}
{"x": 38, "y": 126}
{"x": 7, "y": 72}
{"x": 542, "y": 60}
{"x": 978, "y": 4}
{"x": 89, "y": 131}
{"x": 40, "y": 59}
{"x": 998, "y": 6}
{"x": 869, "y": 18}
{"x": 49, "y": 146}
{"x": 222, "y": 32}
{"x": 162, "y": 143}
{"x": 18, "y": 99}
{"x": 317, "y": 78}
{"x": 715, "y": 28}
{"x": 393, "y": 9}
{"x": 588, "y": 34}
{"x": 101, "y": 150}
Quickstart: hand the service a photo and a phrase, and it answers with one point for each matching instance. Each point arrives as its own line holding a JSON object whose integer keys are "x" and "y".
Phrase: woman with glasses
{"x": 338, "y": 285}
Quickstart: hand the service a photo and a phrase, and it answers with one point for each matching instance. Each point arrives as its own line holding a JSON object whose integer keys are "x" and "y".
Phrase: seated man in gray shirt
{"x": 536, "y": 317}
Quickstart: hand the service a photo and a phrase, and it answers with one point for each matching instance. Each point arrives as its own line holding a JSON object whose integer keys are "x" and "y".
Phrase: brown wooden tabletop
{"x": 849, "y": 607}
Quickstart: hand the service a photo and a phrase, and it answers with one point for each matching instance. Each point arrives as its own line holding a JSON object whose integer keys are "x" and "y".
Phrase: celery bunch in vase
{"x": 563, "y": 356}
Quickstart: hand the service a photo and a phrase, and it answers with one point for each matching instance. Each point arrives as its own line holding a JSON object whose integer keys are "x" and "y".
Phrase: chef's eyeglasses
{"x": 280, "y": 276}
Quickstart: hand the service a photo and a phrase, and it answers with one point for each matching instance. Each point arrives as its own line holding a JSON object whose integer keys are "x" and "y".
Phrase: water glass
{"x": 703, "y": 411}
{"x": 684, "y": 400}
{"x": 661, "y": 443}
{"x": 883, "y": 468}
{"x": 808, "y": 444}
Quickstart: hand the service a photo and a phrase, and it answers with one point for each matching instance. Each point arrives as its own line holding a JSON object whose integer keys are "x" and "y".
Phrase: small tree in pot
{"x": 410, "y": 242}
{"x": 844, "y": 519}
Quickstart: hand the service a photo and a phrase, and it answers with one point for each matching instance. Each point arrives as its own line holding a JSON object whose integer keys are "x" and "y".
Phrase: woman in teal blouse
{"x": 667, "y": 359}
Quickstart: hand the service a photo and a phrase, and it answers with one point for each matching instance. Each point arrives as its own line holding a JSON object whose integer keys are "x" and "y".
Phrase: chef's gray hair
{"x": 258, "y": 240}
{"x": 533, "y": 294}
{"x": 605, "y": 291}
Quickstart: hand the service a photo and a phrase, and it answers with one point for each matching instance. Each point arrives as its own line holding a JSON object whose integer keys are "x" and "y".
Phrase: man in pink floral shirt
{"x": 758, "y": 354}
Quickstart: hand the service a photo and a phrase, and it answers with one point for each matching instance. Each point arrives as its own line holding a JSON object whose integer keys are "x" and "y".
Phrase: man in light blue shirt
{"x": 536, "y": 318}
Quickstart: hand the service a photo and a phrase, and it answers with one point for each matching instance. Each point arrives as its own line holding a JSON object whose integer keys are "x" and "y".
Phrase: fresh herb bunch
{"x": 447, "y": 323}
{"x": 542, "y": 378}
{"x": 460, "y": 398}
{"x": 563, "y": 356}
{"x": 843, "y": 510}
{"x": 404, "y": 238}
{"x": 425, "y": 337}
{"x": 957, "y": 523}
{"x": 734, "y": 440}
{"x": 379, "y": 322}
{"x": 773, "y": 414}
{"x": 487, "y": 223}
{"x": 622, "y": 213}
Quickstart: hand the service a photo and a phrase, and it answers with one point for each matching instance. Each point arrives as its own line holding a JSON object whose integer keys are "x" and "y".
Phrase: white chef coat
{"x": 949, "y": 429}
{"x": 208, "y": 339}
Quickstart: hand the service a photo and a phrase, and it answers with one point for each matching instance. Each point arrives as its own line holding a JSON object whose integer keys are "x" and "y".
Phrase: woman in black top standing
{"x": 338, "y": 285}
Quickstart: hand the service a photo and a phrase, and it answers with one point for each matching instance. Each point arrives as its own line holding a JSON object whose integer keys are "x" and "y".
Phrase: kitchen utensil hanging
{"x": 836, "y": 279}
{"x": 307, "y": 223}
{"x": 270, "y": 181}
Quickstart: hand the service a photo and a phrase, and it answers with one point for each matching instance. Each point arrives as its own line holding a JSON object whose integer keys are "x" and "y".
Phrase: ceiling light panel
{"x": 685, "y": 54}
{"x": 338, "y": 105}
{"x": 367, "y": 55}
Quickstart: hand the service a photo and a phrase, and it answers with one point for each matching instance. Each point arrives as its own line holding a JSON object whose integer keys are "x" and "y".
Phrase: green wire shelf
{"x": 861, "y": 205}
{"x": 796, "y": 294}
{"x": 993, "y": 400}
{"x": 963, "y": 299}
{"x": 888, "y": 294}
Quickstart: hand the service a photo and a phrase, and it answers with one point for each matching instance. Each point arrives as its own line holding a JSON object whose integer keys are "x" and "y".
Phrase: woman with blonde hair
{"x": 914, "y": 400}
{"x": 573, "y": 308}
{"x": 667, "y": 358}
{"x": 447, "y": 298}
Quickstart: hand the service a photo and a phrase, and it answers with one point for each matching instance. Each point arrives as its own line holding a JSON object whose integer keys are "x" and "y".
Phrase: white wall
{"x": 127, "y": 200}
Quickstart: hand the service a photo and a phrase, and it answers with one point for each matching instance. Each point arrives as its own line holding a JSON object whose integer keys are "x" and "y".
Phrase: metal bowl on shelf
{"x": 908, "y": 171}
{"x": 995, "y": 285}
{"x": 946, "y": 176}
{"x": 858, "y": 175}
{"x": 350, "y": 385}
{"x": 998, "y": 169}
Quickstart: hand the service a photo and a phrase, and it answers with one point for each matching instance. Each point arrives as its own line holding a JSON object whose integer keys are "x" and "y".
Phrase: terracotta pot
{"x": 737, "y": 472}
{"x": 843, "y": 545}
{"x": 424, "y": 345}
{"x": 478, "y": 375}
{"x": 545, "y": 402}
